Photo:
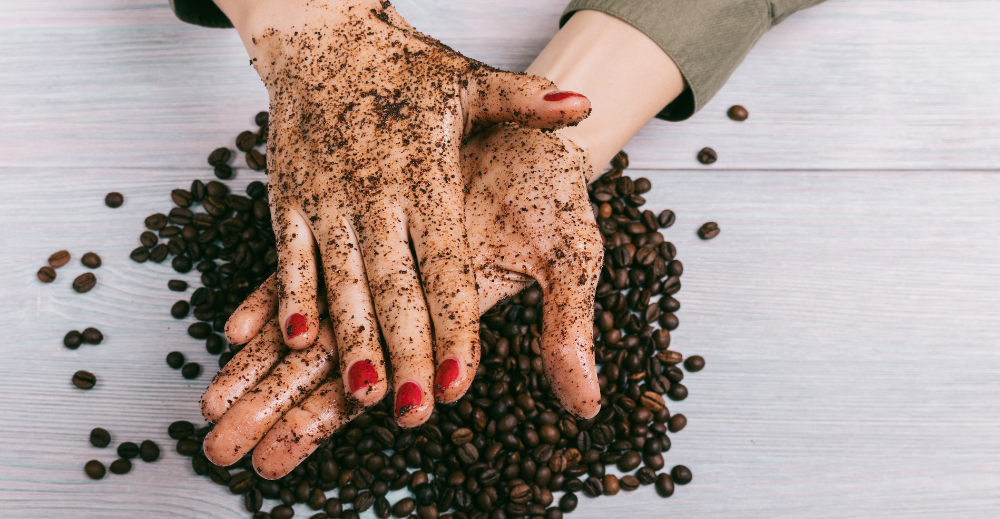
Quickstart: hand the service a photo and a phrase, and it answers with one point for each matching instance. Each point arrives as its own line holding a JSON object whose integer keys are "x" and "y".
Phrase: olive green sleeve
{"x": 707, "y": 39}
{"x": 200, "y": 12}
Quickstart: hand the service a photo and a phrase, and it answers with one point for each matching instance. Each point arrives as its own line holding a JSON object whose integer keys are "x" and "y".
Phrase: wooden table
{"x": 849, "y": 311}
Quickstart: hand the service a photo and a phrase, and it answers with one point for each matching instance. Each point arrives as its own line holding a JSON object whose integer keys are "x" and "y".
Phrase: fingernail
{"x": 408, "y": 396}
{"x": 559, "y": 95}
{"x": 447, "y": 373}
{"x": 362, "y": 374}
{"x": 295, "y": 325}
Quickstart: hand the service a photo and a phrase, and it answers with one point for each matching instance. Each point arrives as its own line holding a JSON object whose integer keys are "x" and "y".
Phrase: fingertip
{"x": 452, "y": 380}
{"x": 299, "y": 331}
{"x": 413, "y": 406}
{"x": 365, "y": 382}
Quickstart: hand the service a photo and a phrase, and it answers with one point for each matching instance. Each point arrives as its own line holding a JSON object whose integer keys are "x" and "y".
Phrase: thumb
{"x": 567, "y": 338}
{"x": 532, "y": 101}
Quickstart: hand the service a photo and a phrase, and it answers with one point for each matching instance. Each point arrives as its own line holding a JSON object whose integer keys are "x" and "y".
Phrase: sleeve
{"x": 200, "y": 12}
{"x": 707, "y": 39}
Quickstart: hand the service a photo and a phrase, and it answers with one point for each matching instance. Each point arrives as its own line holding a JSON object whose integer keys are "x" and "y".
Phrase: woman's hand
{"x": 529, "y": 218}
{"x": 366, "y": 120}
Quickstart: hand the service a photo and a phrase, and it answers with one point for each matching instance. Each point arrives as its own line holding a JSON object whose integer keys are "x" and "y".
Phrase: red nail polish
{"x": 559, "y": 95}
{"x": 362, "y": 374}
{"x": 296, "y": 325}
{"x": 447, "y": 373}
{"x": 408, "y": 396}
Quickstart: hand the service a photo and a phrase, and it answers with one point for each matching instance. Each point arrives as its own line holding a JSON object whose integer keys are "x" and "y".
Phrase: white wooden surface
{"x": 848, "y": 311}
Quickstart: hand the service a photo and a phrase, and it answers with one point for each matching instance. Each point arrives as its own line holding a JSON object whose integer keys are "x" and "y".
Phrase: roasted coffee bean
{"x": 242, "y": 482}
{"x": 568, "y": 502}
{"x": 214, "y": 344}
{"x": 677, "y": 423}
{"x": 282, "y": 512}
{"x": 180, "y": 429}
{"x": 191, "y": 370}
{"x": 181, "y": 264}
{"x": 260, "y": 119}
{"x": 646, "y": 476}
{"x": 404, "y": 507}
{"x": 253, "y": 501}
{"x": 681, "y": 474}
{"x": 333, "y": 507}
{"x": 94, "y": 469}
{"x": 219, "y": 156}
{"x": 199, "y": 330}
{"x": 737, "y": 113}
{"x": 694, "y": 363}
{"x": 223, "y": 171}
{"x": 91, "y": 260}
{"x": 256, "y": 160}
{"x": 158, "y": 254}
{"x": 246, "y": 140}
{"x": 84, "y": 282}
{"x": 593, "y": 487}
{"x": 92, "y": 336}
{"x": 707, "y": 156}
{"x": 628, "y": 482}
{"x": 157, "y": 221}
{"x": 113, "y": 200}
{"x": 121, "y": 466}
{"x": 73, "y": 339}
{"x": 180, "y": 309}
{"x": 677, "y": 392}
{"x": 664, "y": 485}
{"x": 363, "y": 502}
{"x": 100, "y": 437}
{"x": 58, "y": 259}
{"x": 177, "y": 285}
{"x": 139, "y": 254}
{"x": 84, "y": 379}
{"x": 149, "y": 451}
{"x": 224, "y": 359}
{"x": 708, "y": 231}
{"x": 46, "y": 274}
{"x": 128, "y": 450}
{"x": 189, "y": 447}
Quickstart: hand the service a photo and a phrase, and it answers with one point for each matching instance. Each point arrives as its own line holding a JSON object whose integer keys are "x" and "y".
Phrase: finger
{"x": 449, "y": 286}
{"x": 297, "y": 284}
{"x": 303, "y": 428}
{"x": 402, "y": 312}
{"x": 246, "y": 422}
{"x": 243, "y": 372}
{"x": 362, "y": 364}
{"x": 255, "y": 311}
{"x": 527, "y": 100}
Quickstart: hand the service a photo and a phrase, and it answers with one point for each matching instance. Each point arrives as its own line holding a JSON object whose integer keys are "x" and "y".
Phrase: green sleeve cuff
{"x": 200, "y": 12}
{"x": 707, "y": 39}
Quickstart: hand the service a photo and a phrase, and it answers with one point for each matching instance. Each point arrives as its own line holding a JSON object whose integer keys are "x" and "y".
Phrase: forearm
{"x": 627, "y": 77}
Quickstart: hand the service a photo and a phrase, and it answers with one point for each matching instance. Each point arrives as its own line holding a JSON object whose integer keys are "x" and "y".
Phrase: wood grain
{"x": 848, "y": 311}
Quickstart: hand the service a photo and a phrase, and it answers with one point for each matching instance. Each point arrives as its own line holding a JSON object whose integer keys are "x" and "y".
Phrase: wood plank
{"x": 848, "y": 320}
{"x": 849, "y": 84}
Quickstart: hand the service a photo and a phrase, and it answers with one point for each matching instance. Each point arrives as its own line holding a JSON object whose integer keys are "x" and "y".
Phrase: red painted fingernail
{"x": 408, "y": 396}
{"x": 447, "y": 373}
{"x": 559, "y": 95}
{"x": 296, "y": 325}
{"x": 362, "y": 374}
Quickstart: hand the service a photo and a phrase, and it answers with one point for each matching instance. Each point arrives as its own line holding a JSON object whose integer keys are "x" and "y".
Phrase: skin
{"x": 366, "y": 120}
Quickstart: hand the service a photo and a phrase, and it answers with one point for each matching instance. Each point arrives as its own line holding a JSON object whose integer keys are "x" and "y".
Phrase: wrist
{"x": 626, "y": 75}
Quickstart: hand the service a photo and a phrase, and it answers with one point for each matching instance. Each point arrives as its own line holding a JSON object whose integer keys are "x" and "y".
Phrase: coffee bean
{"x": 121, "y": 466}
{"x": 175, "y": 359}
{"x": 628, "y": 482}
{"x": 84, "y": 282}
{"x": 189, "y": 447}
{"x": 677, "y": 422}
{"x": 128, "y": 450}
{"x": 246, "y": 140}
{"x": 91, "y": 260}
{"x": 177, "y": 285}
{"x": 199, "y": 330}
{"x": 94, "y": 469}
{"x": 100, "y": 437}
{"x": 253, "y": 501}
{"x": 181, "y": 264}
{"x": 646, "y": 476}
{"x": 282, "y": 512}
{"x": 46, "y": 274}
{"x": 73, "y": 339}
{"x": 92, "y": 336}
{"x": 139, "y": 254}
{"x": 214, "y": 344}
{"x": 707, "y": 156}
{"x": 224, "y": 359}
{"x": 58, "y": 259}
{"x": 260, "y": 119}
{"x": 149, "y": 451}
{"x": 737, "y": 113}
{"x": 191, "y": 370}
{"x": 180, "y": 429}
{"x": 681, "y": 474}
{"x": 159, "y": 253}
{"x": 708, "y": 231}
{"x": 256, "y": 160}
{"x": 180, "y": 309}
{"x": 219, "y": 156}
{"x": 155, "y": 222}
{"x": 113, "y": 200}
{"x": 223, "y": 171}
{"x": 568, "y": 502}
{"x": 694, "y": 363}
{"x": 84, "y": 379}
{"x": 664, "y": 485}
{"x": 677, "y": 392}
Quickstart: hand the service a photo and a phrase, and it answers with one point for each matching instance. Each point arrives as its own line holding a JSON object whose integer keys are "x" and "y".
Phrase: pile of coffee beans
{"x": 504, "y": 448}
{"x": 149, "y": 451}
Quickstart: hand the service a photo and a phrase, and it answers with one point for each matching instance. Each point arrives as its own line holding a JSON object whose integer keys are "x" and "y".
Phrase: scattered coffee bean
{"x": 191, "y": 370}
{"x": 180, "y": 309}
{"x": 114, "y": 200}
{"x": 180, "y": 429}
{"x": 694, "y": 363}
{"x": 94, "y": 469}
{"x": 219, "y": 156}
{"x": 92, "y": 336}
{"x": 84, "y": 282}
{"x": 707, "y": 156}
{"x": 149, "y": 451}
{"x": 224, "y": 171}
{"x": 155, "y": 222}
{"x": 677, "y": 423}
{"x": 91, "y": 260}
{"x": 139, "y": 254}
{"x": 246, "y": 140}
{"x": 73, "y": 339}
{"x": 200, "y": 330}
{"x": 175, "y": 359}
{"x": 737, "y": 113}
{"x": 260, "y": 119}
{"x": 629, "y": 482}
{"x": 189, "y": 447}
{"x": 84, "y": 379}
{"x": 46, "y": 274}
{"x": 159, "y": 253}
{"x": 708, "y": 231}
{"x": 181, "y": 264}
{"x": 100, "y": 437}
{"x": 681, "y": 474}
{"x": 59, "y": 259}
{"x": 256, "y": 160}
{"x": 128, "y": 450}
{"x": 664, "y": 485}
{"x": 121, "y": 466}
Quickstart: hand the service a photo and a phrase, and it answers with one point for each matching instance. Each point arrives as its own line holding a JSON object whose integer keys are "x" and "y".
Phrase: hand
{"x": 529, "y": 217}
{"x": 366, "y": 119}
